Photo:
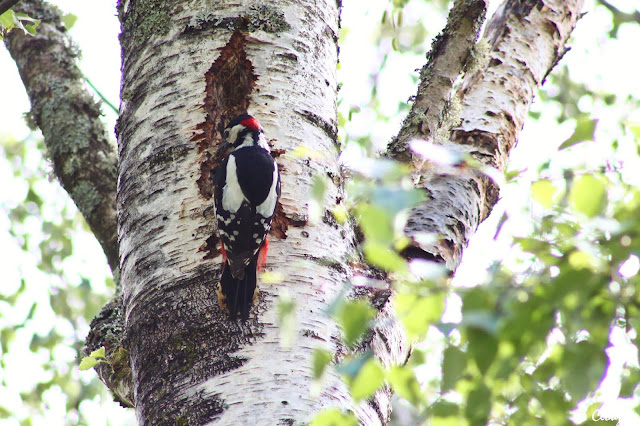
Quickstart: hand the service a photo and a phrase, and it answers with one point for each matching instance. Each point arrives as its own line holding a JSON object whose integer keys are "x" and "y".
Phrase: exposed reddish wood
{"x": 229, "y": 83}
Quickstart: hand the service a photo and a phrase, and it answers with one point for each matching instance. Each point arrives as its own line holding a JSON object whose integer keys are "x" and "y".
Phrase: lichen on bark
{"x": 83, "y": 157}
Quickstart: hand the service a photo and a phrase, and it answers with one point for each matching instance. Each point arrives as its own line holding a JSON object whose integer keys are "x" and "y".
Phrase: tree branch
{"x": 620, "y": 15}
{"x": 450, "y": 53}
{"x": 83, "y": 159}
{"x": 526, "y": 39}
{"x": 6, "y": 5}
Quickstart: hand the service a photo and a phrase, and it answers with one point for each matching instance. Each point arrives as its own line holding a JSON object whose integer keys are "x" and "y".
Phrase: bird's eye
{"x": 226, "y": 134}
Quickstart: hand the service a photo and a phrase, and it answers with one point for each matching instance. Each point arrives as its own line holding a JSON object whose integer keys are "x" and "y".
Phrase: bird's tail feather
{"x": 236, "y": 295}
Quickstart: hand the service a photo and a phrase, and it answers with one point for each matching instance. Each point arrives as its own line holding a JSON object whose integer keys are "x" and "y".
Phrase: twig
{"x": 622, "y": 16}
{"x": 100, "y": 95}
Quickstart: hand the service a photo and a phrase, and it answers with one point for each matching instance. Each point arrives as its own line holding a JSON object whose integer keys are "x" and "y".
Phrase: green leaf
{"x": 454, "y": 363}
{"x": 340, "y": 213}
{"x": 478, "y": 405}
{"x": 482, "y": 320}
{"x": 584, "y": 363}
{"x": 543, "y": 191}
{"x": 8, "y": 19}
{"x": 483, "y": 348}
{"x": 588, "y": 195}
{"x": 629, "y": 381}
{"x": 394, "y": 198}
{"x": 354, "y": 319}
{"x": 321, "y": 358}
{"x": 635, "y": 129}
{"x": 404, "y": 383}
{"x": 351, "y": 365}
{"x": 447, "y": 421}
{"x": 585, "y": 128}
{"x": 595, "y": 418}
{"x": 69, "y": 20}
{"x": 418, "y": 312}
{"x": 318, "y": 189}
{"x": 444, "y": 408}
{"x": 31, "y": 28}
{"x": 98, "y": 353}
{"x": 88, "y": 362}
{"x": 287, "y": 320}
{"x": 581, "y": 260}
{"x": 334, "y": 417}
{"x": 417, "y": 358}
{"x": 555, "y": 406}
{"x": 532, "y": 245}
{"x": 512, "y": 175}
{"x": 383, "y": 257}
{"x": 376, "y": 224}
{"x": 367, "y": 382}
{"x": 5, "y": 413}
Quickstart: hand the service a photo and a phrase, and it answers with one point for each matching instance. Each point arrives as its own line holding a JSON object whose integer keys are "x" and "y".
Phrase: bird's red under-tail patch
{"x": 262, "y": 254}
{"x": 224, "y": 253}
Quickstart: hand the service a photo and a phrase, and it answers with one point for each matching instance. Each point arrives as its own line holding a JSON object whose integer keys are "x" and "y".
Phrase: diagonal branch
{"x": 450, "y": 52}
{"x": 6, "y": 5}
{"x": 83, "y": 159}
{"x": 526, "y": 40}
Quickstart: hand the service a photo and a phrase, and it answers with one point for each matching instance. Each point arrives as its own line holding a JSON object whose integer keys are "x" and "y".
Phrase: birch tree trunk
{"x": 188, "y": 67}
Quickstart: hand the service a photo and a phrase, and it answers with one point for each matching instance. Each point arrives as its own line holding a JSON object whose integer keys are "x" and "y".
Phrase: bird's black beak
{"x": 224, "y": 148}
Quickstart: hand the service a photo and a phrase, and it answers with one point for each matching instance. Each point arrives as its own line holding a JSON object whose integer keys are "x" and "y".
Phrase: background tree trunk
{"x": 83, "y": 159}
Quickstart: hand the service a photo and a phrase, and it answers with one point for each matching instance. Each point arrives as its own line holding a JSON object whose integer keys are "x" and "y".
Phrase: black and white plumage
{"x": 247, "y": 189}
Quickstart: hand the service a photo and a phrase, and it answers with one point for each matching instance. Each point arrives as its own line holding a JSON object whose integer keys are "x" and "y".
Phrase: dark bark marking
{"x": 330, "y": 129}
{"x": 281, "y": 222}
{"x": 175, "y": 331}
{"x": 211, "y": 247}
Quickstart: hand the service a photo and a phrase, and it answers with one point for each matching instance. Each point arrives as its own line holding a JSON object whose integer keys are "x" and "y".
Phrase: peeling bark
{"x": 527, "y": 40}
{"x": 229, "y": 83}
{"x": 77, "y": 144}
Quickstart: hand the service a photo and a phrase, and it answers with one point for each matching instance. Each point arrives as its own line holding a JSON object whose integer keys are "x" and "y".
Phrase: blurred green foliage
{"x": 550, "y": 335}
{"x": 43, "y": 302}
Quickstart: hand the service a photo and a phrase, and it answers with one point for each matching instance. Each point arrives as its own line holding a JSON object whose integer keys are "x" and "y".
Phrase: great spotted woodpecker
{"x": 247, "y": 188}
